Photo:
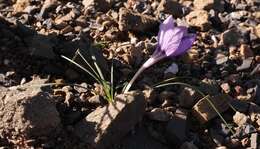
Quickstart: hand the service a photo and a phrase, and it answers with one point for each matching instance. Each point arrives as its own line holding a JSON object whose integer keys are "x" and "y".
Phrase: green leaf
{"x": 81, "y": 67}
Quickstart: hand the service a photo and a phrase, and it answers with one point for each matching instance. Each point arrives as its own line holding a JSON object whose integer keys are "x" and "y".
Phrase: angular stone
{"x": 171, "y": 7}
{"x": 159, "y": 114}
{"x": 188, "y": 97}
{"x": 101, "y": 5}
{"x": 172, "y": 70}
{"x": 240, "y": 118}
{"x": 150, "y": 95}
{"x": 203, "y": 4}
{"x": 130, "y": 21}
{"x": 20, "y": 5}
{"x": 245, "y": 51}
{"x": 47, "y": 6}
{"x": 176, "y": 128}
{"x": 96, "y": 100}
{"x": 199, "y": 19}
{"x": 107, "y": 125}
{"x": 231, "y": 37}
{"x": 221, "y": 60}
{"x": 209, "y": 86}
{"x": 209, "y": 4}
{"x": 203, "y": 110}
{"x": 246, "y": 64}
{"x": 28, "y": 111}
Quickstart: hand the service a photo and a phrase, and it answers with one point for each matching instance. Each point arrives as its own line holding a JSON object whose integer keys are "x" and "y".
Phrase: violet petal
{"x": 185, "y": 44}
{"x": 174, "y": 41}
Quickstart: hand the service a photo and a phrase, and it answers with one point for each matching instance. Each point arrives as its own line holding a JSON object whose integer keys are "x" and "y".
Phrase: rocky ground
{"x": 223, "y": 63}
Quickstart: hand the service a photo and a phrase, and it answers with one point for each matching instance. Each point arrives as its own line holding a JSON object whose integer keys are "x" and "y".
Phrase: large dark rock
{"x": 107, "y": 125}
{"x": 177, "y": 127}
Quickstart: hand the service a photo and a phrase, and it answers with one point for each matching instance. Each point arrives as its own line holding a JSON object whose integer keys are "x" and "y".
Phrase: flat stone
{"x": 96, "y": 100}
{"x": 209, "y": 86}
{"x": 101, "y": 5}
{"x": 204, "y": 112}
{"x": 188, "y": 97}
{"x": 171, "y": 7}
{"x": 107, "y": 125}
{"x": 82, "y": 88}
{"x": 130, "y": 21}
{"x": 239, "y": 14}
{"x": 199, "y": 19}
{"x": 176, "y": 128}
{"x": 231, "y": 37}
{"x": 159, "y": 114}
{"x": 209, "y": 4}
{"x": 172, "y": 69}
{"x": 46, "y": 7}
{"x": 246, "y": 64}
{"x": 245, "y": 51}
{"x": 222, "y": 60}
{"x": 20, "y": 5}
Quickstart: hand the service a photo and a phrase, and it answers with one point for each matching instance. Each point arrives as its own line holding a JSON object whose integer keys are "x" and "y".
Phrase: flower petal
{"x": 174, "y": 41}
{"x": 185, "y": 44}
{"x": 165, "y": 29}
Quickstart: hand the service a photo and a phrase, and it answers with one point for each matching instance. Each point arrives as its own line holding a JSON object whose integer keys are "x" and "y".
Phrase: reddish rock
{"x": 209, "y": 4}
{"x": 203, "y": 110}
{"x": 27, "y": 111}
{"x": 130, "y": 21}
{"x": 199, "y": 19}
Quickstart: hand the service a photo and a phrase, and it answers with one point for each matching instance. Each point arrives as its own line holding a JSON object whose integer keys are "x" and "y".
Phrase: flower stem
{"x": 141, "y": 69}
{"x": 147, "y": 64}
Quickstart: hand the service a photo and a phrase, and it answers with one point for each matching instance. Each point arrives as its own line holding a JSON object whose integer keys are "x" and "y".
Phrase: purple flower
{"x": 172, "y": 41}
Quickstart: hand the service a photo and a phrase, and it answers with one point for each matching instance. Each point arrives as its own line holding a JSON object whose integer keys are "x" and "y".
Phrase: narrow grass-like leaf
{"x": 207, "y": 98}
{"x": 81, "y": 67}
{"x": 95, "y": 72}
{"x": 97, "y": 67}
{"x": 173, "y": 79}
{"x": 180, "y": 83}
